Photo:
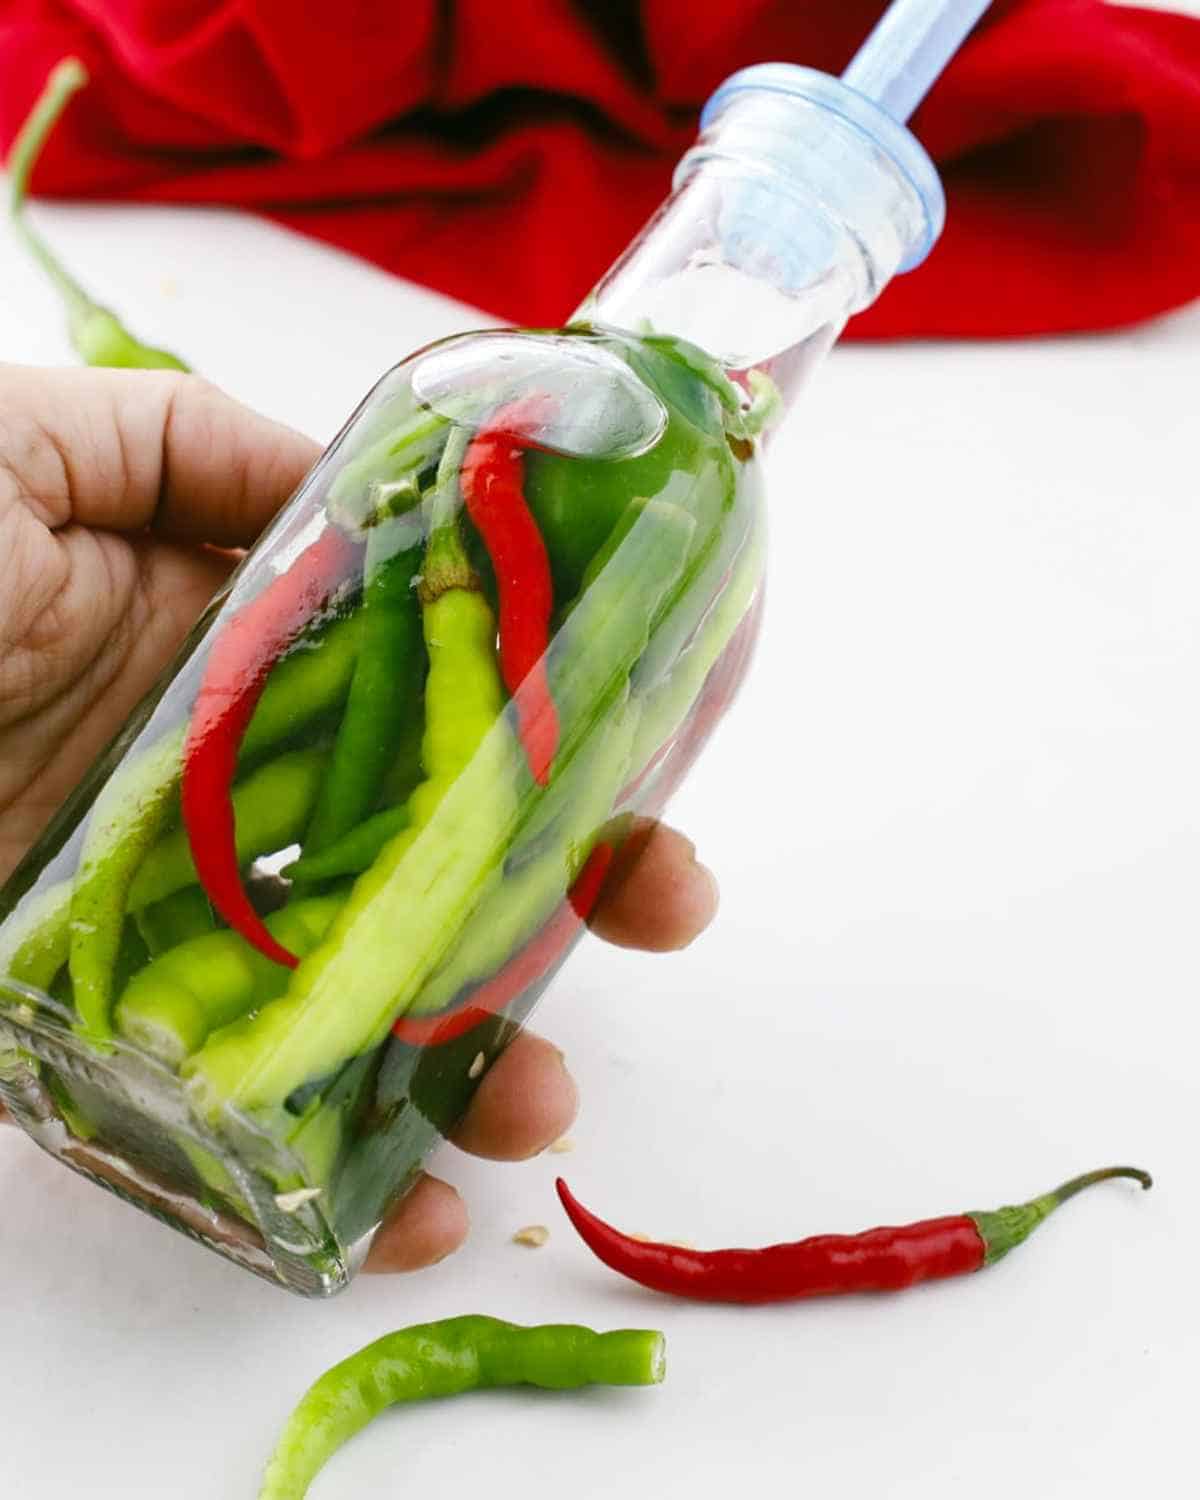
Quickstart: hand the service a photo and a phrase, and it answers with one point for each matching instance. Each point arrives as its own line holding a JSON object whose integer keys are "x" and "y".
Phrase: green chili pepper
{"x": 271, "y": 807}
{"x": 97, "y": 334}
{"x": 316, "y": 1144}
{"x": 172, "y": 1005}
{"x": 667, "y": 704}
{"x": 724, "y": 508}
{"x": 137, "y": 801}
{"x": 215, "y": 1175}
{"x": 129, "y": 814}
{"x": 305, "y": 1034}
{"x": 580, "y": 802}
{"x": 34, "y": 945}
{"x": 584, "y": 506}
{"x": 407, "y": 909}
{"x": 400, "y": 908}
{"x": 405, "y": 770}
{"x": 578, "y": 501}
{"x": 387, "y": 674}
{"x": 445, "y": 1359}
{"x": 354, "y": 851}
{"x": 626, "y": 521}
{"x": 317, "y": 1137}
{"x": 384, "y": 479}
{"x": 690, "y": 378}
{"x": 78, "y": 1123}
{"x": 175, "y": 919}
{"x": 311, "y": 680}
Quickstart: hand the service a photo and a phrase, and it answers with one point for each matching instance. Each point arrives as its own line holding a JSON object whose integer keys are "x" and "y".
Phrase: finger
{"x": 659, "y": 896}
{"x": 526, "y": 1100}
{"x": 126, "y": 449}
{"x": 429, "y": 1223}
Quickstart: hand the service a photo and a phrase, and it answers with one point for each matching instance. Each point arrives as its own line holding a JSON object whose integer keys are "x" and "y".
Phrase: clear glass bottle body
{"x": 493, "y": 628}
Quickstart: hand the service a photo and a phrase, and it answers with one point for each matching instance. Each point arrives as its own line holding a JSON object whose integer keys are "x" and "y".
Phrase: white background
{"x": 957, "y": 822}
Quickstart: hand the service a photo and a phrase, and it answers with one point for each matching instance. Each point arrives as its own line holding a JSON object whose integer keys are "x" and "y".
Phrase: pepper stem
{"x": 766, "y": 403}
{"x": 97, "y": 334}
{"x": 1003, "y": 1229}
{"x": 447, "y": 565}
{"x": 65, "y": 81}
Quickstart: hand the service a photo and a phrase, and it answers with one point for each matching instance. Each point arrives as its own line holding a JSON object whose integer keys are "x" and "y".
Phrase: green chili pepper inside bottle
{"x": 247, "y": 977}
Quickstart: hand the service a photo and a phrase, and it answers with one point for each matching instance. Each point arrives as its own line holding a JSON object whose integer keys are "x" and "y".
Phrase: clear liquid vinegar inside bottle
{"x": 258, "y": 964}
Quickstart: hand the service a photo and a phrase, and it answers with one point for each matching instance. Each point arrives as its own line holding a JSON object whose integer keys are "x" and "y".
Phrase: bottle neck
{"x": 796, "y": 206}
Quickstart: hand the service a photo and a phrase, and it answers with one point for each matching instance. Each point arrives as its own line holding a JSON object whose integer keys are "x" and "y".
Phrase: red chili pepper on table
{"x": 234, "y": 676}
{"x": 880, "y": 1260}
{"x": 493, "y": 493}
{"x": 527, "y": 965}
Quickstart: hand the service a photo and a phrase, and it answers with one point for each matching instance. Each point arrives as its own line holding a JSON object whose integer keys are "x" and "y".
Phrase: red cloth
{"x": 504, "y": 151}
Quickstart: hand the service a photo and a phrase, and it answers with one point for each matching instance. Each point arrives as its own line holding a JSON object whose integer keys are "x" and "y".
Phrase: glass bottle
{"x": 259, "y": 962}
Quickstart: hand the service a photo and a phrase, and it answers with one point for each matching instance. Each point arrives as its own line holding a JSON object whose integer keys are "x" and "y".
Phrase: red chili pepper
{"x": 881, "y": 1260}
{"x": 234, "y": 677}
{"x": 528, "y": 964}
{"x": 494, "y": 495}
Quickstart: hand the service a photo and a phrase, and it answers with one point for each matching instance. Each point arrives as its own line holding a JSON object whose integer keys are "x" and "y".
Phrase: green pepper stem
{"x": 766, "y": 403}
{"x": 1003, "y": 1229}
{"x": 446, "y": 564}
{"x": 397, "y": 497}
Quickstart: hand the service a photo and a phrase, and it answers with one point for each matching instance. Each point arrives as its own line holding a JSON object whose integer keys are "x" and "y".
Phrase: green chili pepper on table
{"x": 97, "y": 335}
{"x": 442, "y": 1359}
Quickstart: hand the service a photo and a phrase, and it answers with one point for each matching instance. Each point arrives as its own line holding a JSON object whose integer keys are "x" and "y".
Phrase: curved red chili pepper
{"x": 881, "y": 1260}
{"x": 527, "y": 965}
{"x": 493, "y": 493}
{"x": 234, "y": 677}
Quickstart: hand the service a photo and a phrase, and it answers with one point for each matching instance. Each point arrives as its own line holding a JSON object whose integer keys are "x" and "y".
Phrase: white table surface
{"x": 957, "y": 822}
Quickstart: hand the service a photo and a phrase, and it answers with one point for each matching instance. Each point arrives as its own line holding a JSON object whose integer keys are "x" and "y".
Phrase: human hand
{"x": 123, "y": 498}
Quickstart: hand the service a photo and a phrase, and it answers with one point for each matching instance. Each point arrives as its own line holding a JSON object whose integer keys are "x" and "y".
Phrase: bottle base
{"x": 121, "y": 1121}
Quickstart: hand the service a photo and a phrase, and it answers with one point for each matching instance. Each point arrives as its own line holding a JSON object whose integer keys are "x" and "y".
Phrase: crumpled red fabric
{"x": 504, "y": 153}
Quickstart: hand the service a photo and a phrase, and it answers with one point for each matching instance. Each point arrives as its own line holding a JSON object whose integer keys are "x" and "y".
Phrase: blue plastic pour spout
{"x": 910, "y": 46}
{"x": 803, "y": 194}
{"x": 891, "y": 73}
